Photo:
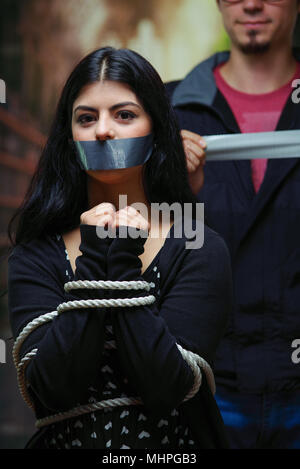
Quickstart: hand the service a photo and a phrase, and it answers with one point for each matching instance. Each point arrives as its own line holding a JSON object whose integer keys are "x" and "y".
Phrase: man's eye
{"x": 126, "y": 115}
{"x": 85, "y": 118}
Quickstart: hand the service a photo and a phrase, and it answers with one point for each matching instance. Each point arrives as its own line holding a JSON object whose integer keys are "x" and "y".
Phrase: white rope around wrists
{"x": 195, "y": 361}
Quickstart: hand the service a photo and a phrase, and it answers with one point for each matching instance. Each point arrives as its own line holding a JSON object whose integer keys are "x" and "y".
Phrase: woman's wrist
{"x": 92, "y": 238}
{"x": 91, "y": 265}
{"x": 123, "y": 262}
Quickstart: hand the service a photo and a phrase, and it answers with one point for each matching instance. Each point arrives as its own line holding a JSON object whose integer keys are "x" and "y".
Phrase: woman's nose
{"x": 104, "y": 130}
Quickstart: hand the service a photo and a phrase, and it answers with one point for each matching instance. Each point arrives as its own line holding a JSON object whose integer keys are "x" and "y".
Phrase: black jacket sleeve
{"x": 193, "y": 313}
{"x": 70, "y": 346}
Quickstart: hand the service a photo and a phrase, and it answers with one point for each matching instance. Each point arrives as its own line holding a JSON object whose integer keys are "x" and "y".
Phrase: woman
{"x": 111, "y": 97}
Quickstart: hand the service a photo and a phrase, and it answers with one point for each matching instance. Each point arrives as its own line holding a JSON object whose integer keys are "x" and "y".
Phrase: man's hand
{"x": 194, "y": 147}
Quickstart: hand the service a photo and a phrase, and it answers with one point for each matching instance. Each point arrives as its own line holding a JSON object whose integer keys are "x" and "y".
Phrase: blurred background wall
{"x": 40, "y": 43}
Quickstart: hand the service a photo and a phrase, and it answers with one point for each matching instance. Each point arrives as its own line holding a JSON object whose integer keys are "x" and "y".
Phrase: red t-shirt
{"x": 256, "y": 113}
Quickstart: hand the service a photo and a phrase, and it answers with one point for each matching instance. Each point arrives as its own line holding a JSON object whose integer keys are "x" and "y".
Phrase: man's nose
{"x": 253, "y": 5}
{"x": 104, "y": 129}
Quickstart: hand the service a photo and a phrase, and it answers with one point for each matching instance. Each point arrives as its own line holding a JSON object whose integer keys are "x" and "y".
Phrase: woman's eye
{"x": 126, "y": 115}
{"x": 85, "y": 118}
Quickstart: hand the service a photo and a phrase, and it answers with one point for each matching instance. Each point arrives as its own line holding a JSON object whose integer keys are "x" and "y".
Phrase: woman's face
{"x": 108, "y": 110}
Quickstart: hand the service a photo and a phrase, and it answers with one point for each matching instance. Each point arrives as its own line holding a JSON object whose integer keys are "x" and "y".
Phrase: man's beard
{"x": 254, "y": 47}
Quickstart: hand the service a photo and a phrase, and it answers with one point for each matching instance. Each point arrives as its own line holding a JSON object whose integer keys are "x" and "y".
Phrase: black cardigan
{"x": 191, "y": 310}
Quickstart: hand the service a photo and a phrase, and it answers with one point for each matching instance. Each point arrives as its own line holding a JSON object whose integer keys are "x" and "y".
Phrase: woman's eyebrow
{"x": 125, "y": 103}
{"x": 115, "y": 106}
{"x": 85, "y": 108}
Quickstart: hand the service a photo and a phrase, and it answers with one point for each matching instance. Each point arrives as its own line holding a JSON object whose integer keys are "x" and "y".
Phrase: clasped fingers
{"x": 100, "y": 215}
{"x": 105, "y": 214}
{"x": 129, "y": 216}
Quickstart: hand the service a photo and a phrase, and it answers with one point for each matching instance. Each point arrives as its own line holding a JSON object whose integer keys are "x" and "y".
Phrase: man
{"x": 255, "y": 206}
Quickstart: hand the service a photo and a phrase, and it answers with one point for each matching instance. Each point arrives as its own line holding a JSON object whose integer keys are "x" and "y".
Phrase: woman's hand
{"x": 194, "y": 147}
{"x": 129, "y": 216}
{"x": 105, "y": 214}
{"x": 100, "y": 215}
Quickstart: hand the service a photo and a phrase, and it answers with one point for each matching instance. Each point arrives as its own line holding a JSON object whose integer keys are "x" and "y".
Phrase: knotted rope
{"x": 195, "y": 362}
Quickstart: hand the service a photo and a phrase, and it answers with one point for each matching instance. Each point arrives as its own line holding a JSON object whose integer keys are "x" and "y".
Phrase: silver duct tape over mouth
{"x": 248, "y": 146}
{"x": 114, "y": 153}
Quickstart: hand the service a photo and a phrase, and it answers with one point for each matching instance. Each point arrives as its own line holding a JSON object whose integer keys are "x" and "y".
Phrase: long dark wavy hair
{"x": 57, "y": 194}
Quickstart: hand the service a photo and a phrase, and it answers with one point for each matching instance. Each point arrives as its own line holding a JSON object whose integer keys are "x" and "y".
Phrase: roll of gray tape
{"x": 248, "y": 146}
